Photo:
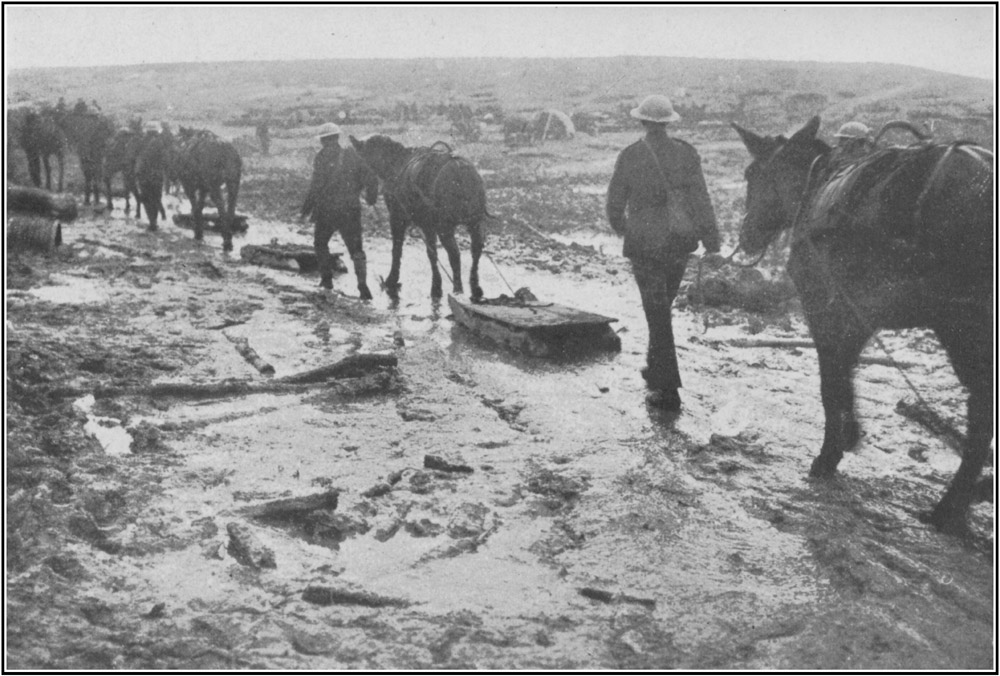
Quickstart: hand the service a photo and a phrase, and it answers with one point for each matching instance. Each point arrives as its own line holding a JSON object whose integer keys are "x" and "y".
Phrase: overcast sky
{"x": 950, "y": 38}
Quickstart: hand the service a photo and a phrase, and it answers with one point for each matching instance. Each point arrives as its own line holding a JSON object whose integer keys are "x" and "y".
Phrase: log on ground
{"x": 248, "y": 353}
{"x": 247, "y": 549}
{"x": 41, "y": 202}
{"x": 293, "y": 509}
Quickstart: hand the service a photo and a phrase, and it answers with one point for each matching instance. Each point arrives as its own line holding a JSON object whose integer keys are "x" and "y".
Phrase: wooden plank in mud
{"x": 289, "y": 256}
{"x": 211, "y": 222}
{"x": 537, "y": 328}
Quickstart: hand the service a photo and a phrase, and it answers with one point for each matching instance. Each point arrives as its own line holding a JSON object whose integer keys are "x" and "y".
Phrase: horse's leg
{"x": 197, "y": 204}
{"x": 232, "y": 191}
{"x": 476, "y": 234}
{"x": 62, "y": 167}
{"x": 350, "y": 231}
{"x": 107, "y": 186}
{"x": 132, "y": 185}
{"x": 48, "y": 171}
{"x": 454, "y": 258}
{"x": 968, "y": 343}
{"x": 430, "y": 242}
{"x": 224, "y": 219}
{"x": 397, "y": 227}
{"x": 839, "y": 342}
{"x": 35, "y": 169}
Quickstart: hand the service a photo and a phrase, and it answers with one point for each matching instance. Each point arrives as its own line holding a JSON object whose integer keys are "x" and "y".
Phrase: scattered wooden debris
{"x": 248, "y": 353}
{"x": 212, "y": 222}
{"x": 352, "y": 366}
{"x": 245, "y": 548}
{"x": 328, "y": 596}
{"x": 293, "y": 509}
{"x": 289, "y": 256}
{"x": 919, "y": 412}
{"x": 609, "y": 597}
{"x": 41, "y": 202}
{"x": 439, "y": 463}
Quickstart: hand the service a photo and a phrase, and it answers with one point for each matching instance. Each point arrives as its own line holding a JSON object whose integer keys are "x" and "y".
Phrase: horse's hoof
{"x": 365, "y": 293}
{"x": 945, "y": 521}
{"x": 822, "y": 469}
{"x": 477, "y": 293}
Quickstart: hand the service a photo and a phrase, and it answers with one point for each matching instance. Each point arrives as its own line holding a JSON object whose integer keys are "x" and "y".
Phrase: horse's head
{"x": 385, "y": 156}
{"x": 776, "y": 180}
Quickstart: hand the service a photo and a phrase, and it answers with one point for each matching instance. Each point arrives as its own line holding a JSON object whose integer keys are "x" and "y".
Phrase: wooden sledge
{"x": 211, "y": 222}
{"x": 536, "y": 328}
{"x": 289, "y": 257}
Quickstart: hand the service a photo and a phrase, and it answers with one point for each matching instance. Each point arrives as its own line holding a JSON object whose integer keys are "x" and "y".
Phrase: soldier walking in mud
{"x": 339, "y": 177}
{"x": 647, "y": 174}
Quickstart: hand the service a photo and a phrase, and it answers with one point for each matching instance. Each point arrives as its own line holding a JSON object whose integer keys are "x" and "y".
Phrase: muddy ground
{"x": 571, "y": 527}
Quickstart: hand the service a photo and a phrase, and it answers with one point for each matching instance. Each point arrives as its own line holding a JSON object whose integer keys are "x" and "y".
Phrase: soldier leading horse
{"x": 436, "y": 191}
{"x": 902, "y": 238}
{"x": 203, "y": 163}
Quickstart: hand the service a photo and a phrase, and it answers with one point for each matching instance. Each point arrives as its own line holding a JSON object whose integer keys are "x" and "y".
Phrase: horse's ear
{"x": 808, "y": 133}
{"x": 757, "y": 145}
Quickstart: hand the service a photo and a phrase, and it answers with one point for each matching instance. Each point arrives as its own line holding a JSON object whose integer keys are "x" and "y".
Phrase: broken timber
{"x": 535, "y": 328}
{"x": 248, "y": 353}
{"x": 212, "y": 222}
{"x": 372, "y": 371}
{"x": 289, "y": 257}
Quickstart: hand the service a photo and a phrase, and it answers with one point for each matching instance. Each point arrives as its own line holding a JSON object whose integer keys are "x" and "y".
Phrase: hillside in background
{"x": 766, "y": 95}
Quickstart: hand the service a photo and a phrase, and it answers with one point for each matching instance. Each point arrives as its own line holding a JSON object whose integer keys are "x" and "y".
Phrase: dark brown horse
{"x": 151, "y": 164}
{"x": 41, "y": 138}
{"x": 120, "y": 159}
{"x": 90, "y": 135}
{"x": 436, "y": 191}
{"x": 902, "y": 238}
{"x": 203, "y": 163}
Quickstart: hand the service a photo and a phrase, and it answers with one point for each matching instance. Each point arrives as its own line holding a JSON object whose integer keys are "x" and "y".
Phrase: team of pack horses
{"x": 900, "y": 238}
{"x": 148, "y": 161}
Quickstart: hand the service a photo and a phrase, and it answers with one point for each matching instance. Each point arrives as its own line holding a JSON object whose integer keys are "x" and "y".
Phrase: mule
{"x": 204, "y": 163}
{"x": 90, "y": 135}
{"x": 902, "y": 238}
{"x": 436, "y": 191}
{"x": 42, "y": 138}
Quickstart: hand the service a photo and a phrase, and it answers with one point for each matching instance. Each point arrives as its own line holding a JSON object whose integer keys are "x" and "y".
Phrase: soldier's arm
{"x": 314, "y": 187}
{"x": 618, "y": 191}
{"x": 704, "y": 214}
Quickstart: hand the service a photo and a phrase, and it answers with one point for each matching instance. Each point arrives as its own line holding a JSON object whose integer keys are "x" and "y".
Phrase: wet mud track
{"x": 490, "y": 510}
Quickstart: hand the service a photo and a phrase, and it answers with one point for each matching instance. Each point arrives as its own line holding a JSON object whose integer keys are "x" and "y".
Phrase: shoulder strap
{"x": 656, "y": 159}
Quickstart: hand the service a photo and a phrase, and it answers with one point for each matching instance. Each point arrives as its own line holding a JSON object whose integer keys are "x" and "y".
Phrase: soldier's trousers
{"x": 658, "y": 282}
{"x": 349, "y": 225}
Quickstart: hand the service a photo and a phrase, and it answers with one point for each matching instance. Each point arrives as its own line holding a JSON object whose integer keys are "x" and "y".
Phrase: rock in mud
{"x": 245, "y": 548}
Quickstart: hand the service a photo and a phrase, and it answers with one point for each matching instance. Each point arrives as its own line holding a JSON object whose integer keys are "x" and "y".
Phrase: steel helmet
{"x": 655, "y": 108}
{"x": 853, "y": 130}
{"x": 329, "y": 129}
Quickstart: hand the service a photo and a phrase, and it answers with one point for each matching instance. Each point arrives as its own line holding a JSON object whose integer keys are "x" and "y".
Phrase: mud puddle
{"x": 570, "y": 526}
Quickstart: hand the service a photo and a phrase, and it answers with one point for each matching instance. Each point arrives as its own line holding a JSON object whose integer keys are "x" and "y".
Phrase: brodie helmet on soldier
{"x": 655, "y": 108}
{"x": 328, "y": 129}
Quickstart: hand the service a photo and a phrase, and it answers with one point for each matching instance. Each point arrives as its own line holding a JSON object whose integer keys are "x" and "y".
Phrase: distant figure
{"x": 264, "y": 136}
{"x": 648, "y": 174}
{"x": 80, "y": 107}
{"x": 339, "y": 177}
{"x": 854, "y": 141}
